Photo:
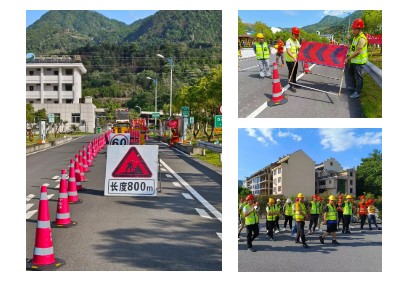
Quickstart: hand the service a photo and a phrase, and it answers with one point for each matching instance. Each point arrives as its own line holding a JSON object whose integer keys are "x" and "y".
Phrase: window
{"x": 274, "y": 190}
{"x": 279, "y": 188}
{"x": 48, "y": 69}
{"x": 56, "y": 102}
{"x": 351, "y": 173}
{"x": 30, "y": 72}
{"x": 55, "y": 87}
{"x": 330, "y": 181}
{"x": 31, "y": 88}
{"x": 279, "y": 179}
{"x": 351, "y": 190}
{"x": 351, "y": 182}
{"x": 76, "y": 118}
{"x": 38, "y": 69}
{"x": 56, "y": 72}
{"x": 275, "y": 181}
{"x": 68, "y": 101}
{"x": 275, "y": 172}
{"x": 279, "y": 170}
{"x": 57, "y": 117}
{"x": 68, "y": 87}
{"x": 69, "y": 71}
{"x": 331, "y": 163}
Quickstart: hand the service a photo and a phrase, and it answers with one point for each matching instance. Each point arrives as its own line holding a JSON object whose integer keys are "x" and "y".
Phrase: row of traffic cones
{"x": 277, "y": 94}
{"x": 43, "y": 254}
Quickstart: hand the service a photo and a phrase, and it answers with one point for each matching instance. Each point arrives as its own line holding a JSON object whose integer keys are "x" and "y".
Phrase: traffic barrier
{"x": 277, "y": 95}
{"x": 63, "y": 217}
{"x": 306, "y": 69}
{"x": 72, "y": 190}
{"x": 78, "y": 179}
{"x": 84, "y": 160}
{"x": 43, "y": 253}
{"x": 81, "y": 165}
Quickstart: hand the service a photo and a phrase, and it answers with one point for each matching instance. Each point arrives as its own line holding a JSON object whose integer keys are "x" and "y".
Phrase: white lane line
{"x": 176, "y": 184}
{"x": 29, "y": 197}
{"x": 29, "y": 214}
{"x": 50, "y": 196}
{"x": 219, "y": 235}
{"x": 163, "y": 169}
{"x": 168, "y": 175}
{"x": 55, "y": 177}
{"x": 265, "y": 105}
{"x": 46, "y": 184}
{"x": 57, "y": 186}
{"x": 28, "y": 206}
{"x": 187, "y": 196}
{"x": 203, "y": 201}
{"x": 248, "y": 68}
{"x": 203, "y": 213}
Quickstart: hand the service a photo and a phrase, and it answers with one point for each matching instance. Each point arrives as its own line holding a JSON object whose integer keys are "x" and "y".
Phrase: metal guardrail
{"x": 210, "y": 146}
{"x": 374, "y": 72}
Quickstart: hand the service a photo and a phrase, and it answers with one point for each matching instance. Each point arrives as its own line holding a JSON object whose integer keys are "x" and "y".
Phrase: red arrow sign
{"x": 132, "y": 165}
{"x": 323, "y": 54}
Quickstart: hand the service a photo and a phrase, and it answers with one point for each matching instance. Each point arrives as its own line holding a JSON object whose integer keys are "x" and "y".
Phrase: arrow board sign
{"x": 131, "y": 170}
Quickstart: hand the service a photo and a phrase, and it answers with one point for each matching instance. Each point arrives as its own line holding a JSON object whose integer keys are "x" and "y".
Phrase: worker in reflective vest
{"x": 261, "y": 49}
{"x": 358, "y": 57}
{"x": 278, "y": 209}
{"x": 292, "y": 50}
{"x": 362, "y": 211}
{"x": 330, "y": 218}
{"x": 287, "y": 209}
{"x": 339, "y": 209}
{"x": 347, "y": 213}
{"x": 301, "y": 214}
{"x": 270, "y": 222}
{"x": 372, "y": 215}
{"x": 314, "y": 214}
{"x": 251, "y": 221}
{"x": 241, "y": 215}
{"x": 280, "y": 50}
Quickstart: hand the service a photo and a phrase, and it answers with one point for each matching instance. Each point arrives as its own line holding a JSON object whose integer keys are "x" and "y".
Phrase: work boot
{"x": 305, "y": 246}
{"x": 321, "y": 240}
{"x": 293, "y": 89}
{"x": 355, "y": 95}
{"x": 335, "y": 242}
{"x": 251, "y": 249}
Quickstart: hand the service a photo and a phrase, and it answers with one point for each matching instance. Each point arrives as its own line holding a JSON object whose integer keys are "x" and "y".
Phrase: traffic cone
{"x": 72, "y": 191}
{"x": 277, "y": 96}
{"x": 305, "y": 68}
{"x": 84, "y": 160}
{"x": 81, "y": 166}
{"x": 90, "y": 157}
{"x": 78, "y": 174}
{"x": 63, "y": 218}
{"x": 43, "y": 254}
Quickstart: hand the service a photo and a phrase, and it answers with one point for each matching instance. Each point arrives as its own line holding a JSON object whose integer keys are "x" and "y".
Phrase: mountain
{"x": 61, "y": 32}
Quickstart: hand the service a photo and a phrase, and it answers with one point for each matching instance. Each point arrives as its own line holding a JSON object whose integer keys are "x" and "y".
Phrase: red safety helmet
{"x": 340, "y": 196}
{"x": 242, "y": 200}
{"x": 250, "y": 197}
{"x": 319, "y": 198}
{"x": 362, "y": 197}
{"x": 315, "y": 196}
{"x": 296, "y": 30}
{"x": 358, "y": 23}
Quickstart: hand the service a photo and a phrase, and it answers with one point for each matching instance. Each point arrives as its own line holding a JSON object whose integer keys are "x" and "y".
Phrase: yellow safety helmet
{"x": 271, "y": 200}
{"x": 260, "y": 35}
{"x": 276, "y": 46}
{"x": 349, "y": 197}
{"x": 300, "y": 195}
{"x": 331, "y": 197}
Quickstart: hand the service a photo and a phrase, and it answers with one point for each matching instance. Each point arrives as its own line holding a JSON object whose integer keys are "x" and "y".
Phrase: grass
{"x": 52, "y": 138}
{"x": 211, "y": 157}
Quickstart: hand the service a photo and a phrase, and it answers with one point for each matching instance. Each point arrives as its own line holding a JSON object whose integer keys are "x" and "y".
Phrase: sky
{"x": 125, "y": 16}
{"x": 258, "y": 148}
{"x": 289, "y": 18}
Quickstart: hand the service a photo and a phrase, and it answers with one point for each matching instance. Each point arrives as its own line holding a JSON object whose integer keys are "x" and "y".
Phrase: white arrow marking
{"x": 203, "y": 213}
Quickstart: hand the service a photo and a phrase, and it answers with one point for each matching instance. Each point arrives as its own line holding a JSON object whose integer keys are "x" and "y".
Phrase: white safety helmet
{"x": 278, "y": 200}
{"x": 288, "y": 201}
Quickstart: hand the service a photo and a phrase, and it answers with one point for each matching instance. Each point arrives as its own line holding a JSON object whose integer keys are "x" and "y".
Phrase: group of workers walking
{"x": 330, "y": 215}
{"x": 357, "y": 56}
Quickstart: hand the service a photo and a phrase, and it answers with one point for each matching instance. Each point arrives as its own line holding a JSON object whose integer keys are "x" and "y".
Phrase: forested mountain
{"x": 332, "y": 24}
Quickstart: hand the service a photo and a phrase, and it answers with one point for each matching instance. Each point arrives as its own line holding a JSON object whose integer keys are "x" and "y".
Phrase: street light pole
{"x": 140, "y": 110}
{"x": 171, "y": 64}
{"x": 155, "y": 99}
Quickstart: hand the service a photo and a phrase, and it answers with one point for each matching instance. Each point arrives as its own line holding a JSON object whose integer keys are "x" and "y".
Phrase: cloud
{"x": 291, "y": 13}
{"x": 262, "y": 135}
{"x": 342, "y": 139}
{"x": 251, "y": 132}
{"x": 337, "y": 13}
{"x": 267, "y": 133}
{"x": 295, "y": 137}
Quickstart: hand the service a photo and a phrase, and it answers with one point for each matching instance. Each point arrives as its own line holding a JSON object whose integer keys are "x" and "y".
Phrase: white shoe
{"x": 316, "y": 228}
{"x": 277, "y": 231}
{"x": 355, "y": 95}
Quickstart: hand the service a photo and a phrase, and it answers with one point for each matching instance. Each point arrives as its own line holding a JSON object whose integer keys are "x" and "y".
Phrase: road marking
{"x": 187, "y": 196}
{"x": 219, "y": 235}
{"x": 45, "y": 184}
{"x": 29, "y": 197}
{"x": 28, "y": 206}
{"x": 163, "y": 170}
{"x": 50, "y": 196}
{"x": 55, "y": 177}
{"x": 203, "y": 201}
{"x": 248, "y": 68}
{"x": 57, "y": 186}
{"x": 176, "y": 184}
{"x": 265, "y": 105}
{"x": 29, "y": 214}
{"x": 203, "y": 213}
{"x": 168, "y": 175}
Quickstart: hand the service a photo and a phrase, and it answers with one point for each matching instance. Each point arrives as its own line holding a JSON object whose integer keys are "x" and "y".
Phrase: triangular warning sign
{"x": 132, "y": 165}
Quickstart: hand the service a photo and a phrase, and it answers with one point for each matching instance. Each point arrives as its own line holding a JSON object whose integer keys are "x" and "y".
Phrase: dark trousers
{"x": 300, "y": 232}
{"x": 290, "y": 66}
{"x": 340, "y": 217}
{"x": 252, "y": 233}
{"x": 356, "y": 76}
{"x": 288, "y": 218}
{"x": 363, "y": 217}
{"x": 313, "y": 221}
{"x": 346, "y": 223}
{"x": 270, "y": 228}
{"x": 277, "y": 223}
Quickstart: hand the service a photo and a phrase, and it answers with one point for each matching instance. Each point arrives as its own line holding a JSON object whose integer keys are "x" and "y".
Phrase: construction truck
{"x": 122, "y": 122}
{"x": 139, "y": 131}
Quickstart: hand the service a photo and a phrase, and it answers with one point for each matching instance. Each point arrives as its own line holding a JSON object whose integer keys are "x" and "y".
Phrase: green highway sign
{"x": 218, "y": 121}
{"x": 191, "y": 120}
{"x": 185, "y": 111}
{"x": 155, "y": 115}
{"x": 50, "y": 118}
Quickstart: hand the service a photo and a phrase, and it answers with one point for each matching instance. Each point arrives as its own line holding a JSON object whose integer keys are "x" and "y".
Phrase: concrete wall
{"x": 39, "y": 147}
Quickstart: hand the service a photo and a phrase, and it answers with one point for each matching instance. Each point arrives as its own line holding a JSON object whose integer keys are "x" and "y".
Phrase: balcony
{"x": 32, "y": 94}
{"x": 33, "y": 79}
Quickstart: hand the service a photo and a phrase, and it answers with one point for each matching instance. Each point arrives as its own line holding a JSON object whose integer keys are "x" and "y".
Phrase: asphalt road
{"x": 357, "y": 252}
{"x": 177, "y": 230}
{"x": 305, "y": 103}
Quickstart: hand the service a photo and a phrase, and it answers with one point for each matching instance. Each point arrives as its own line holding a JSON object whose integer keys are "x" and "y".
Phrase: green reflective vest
{"x": 294, "y": 49}
{"x": 288, "y": 209}
{"x": 262, "y": 51}
{"x": 347, "y": 209}
{"x": 314, "y": 208}
{"x": 251, "y": 218}
{"x": 300, "y": 217}
{"x": 361, "y": 58}
{"x": 271, "y": 210}
{"x": 331, "y": 214}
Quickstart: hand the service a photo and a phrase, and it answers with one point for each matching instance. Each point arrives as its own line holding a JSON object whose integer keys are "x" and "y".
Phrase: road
{"x": 176, "y": 230}
{"x": 305, "y": 103}
{"x": 357, "y": 252}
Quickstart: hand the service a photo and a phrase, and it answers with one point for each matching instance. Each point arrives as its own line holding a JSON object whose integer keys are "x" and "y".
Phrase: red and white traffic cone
{"x": 84, "y": 160}
{"x": 90, "y": 157}
{"x": 277, "y": 96}
{"x": 78, "y": 174}
{"x": 43, "y": 254}
{"x": 81, "y": 165}
{"x": 306, "y": 69}
{"x": 72, "y": 190}
{"x": 63, "y": 217}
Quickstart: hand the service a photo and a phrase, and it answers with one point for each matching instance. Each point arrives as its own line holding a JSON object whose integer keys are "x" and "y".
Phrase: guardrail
{"x": 374, "y": 72}
{"x": 210, "y": 146}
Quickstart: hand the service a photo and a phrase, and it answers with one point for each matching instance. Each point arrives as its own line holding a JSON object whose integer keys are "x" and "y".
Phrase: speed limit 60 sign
{"x": 120, "y": 138}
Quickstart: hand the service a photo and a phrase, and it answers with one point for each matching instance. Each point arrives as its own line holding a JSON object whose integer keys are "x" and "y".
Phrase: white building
{"x": 55, "y": 84}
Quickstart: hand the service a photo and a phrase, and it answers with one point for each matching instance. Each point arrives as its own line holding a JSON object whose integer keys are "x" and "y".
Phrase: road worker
{"x": 241, "y": 215}
{"x": 278, "y": 208}
{"x": 347, "y": 212}
{"x": 320, "y": 218}
{"x": 362, "y": 211}
{"x": 261, "y": 49}
{"x": 294, "y": 230}
{"x": 314, "y": 212}
{"x": 280, "y": 48}
{"x": 271, "y": 215}
{"x": 292, "y": 50}
{"x": 330, "y": 219}
{"x": 358, "y": 57}
{"x": 301, "y": 214}
{"x": 372, "y": 215}
{"x": 287, "y": 209}
{"x": 251, "y": 221}
{"x": 339, "y": 209}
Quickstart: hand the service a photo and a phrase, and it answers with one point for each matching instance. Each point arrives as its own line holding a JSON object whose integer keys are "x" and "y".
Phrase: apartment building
{"x": 332, "y": 178}
{"x": 54, "y": 83}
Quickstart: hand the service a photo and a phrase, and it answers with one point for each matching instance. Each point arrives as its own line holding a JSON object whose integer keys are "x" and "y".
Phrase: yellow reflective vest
{"x": 251, "y": 218}
{"x": 294, "y": 49}
{"x": 300, "y": 217}
{"x": 262, "y": 51}
{"x": 361, "y": 58}
{"x": 331, "y": 214}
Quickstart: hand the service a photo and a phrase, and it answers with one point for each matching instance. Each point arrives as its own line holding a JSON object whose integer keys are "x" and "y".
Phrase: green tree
{"x": 261, "y": 27}
{"x": 373, "y": 21}
{"x": 243, "y": 192}
{"x": 241, "y": 27}
{"x": 30, "y": 114}
{"x": 369, "y": 174}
